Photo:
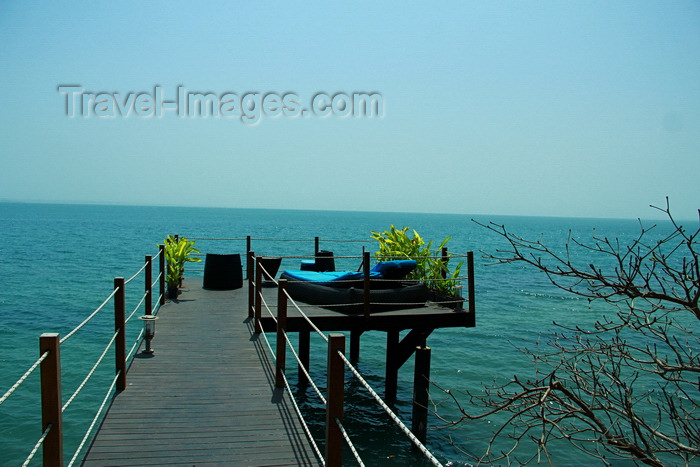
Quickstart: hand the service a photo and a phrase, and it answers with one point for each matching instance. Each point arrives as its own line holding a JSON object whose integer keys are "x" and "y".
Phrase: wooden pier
{"x": 208, "y": 395}
{"x": 205, "y": 397}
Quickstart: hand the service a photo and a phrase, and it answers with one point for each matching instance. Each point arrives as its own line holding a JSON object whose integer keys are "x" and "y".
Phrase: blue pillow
{"x": 394, "y": 270}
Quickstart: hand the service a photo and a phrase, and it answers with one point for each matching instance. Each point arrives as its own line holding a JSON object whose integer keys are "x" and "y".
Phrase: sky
{"x": 583, "y": 109}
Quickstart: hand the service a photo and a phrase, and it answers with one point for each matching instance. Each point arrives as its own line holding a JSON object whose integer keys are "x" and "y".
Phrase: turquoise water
{"x": 57, "y": 264}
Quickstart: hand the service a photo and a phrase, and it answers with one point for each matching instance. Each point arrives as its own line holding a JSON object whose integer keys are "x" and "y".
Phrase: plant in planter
{"x": 395, "y": 244}
{"x": 178, "y": 251}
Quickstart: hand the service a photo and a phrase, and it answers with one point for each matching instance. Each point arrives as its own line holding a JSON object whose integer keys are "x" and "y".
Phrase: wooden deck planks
{"x": 205, "y": 398}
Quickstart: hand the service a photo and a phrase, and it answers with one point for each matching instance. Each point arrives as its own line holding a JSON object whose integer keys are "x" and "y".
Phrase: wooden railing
{"x": 52, "y": 406}
{"x": 336, "y": 362}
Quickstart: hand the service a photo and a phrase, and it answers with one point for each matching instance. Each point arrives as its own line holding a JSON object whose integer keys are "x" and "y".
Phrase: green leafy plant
{"x": 397, "y": 244}
{"x": 178, "y": 251}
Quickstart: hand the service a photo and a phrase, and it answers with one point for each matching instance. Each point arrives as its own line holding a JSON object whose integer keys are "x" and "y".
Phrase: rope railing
{"x": 49, "y": 361}
{"x": 435, "y": 294}
{"x": 304, "y": 424}
{"x": 332, "y": 452}
{"x": 304, "y": 370}
{"x": 291, "y": 347}
{"x": 136, "y": 275}
{"x": 214, "y": 239}
{"x": 389, "y": 412}
{"x": 94, "y": 420}
{"x": 86, "y": 320}
{"x": 135, "y": 346}
{"x": 23, "y": 378}
{"x": 350, "y": 444}
{"x": 136, "y": 308}
{"x": 90, "y": 373}
{"x": 296, "y": 406}
{"x": 306, "y": 318}
{"x": 37, "y": 445}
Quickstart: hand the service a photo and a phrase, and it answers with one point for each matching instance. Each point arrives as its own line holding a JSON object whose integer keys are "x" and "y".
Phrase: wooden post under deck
{"x": 355, "y": 344}
{"x": 392, "y": 369}
{"x": 421, "y": 388}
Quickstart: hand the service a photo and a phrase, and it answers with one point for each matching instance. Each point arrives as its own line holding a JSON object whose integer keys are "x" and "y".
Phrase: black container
{"x": 324, "y": 261}
{"x": 222, "y": 272}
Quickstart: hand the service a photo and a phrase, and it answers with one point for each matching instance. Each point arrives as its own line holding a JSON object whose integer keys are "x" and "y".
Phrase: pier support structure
{"x": 397, "y": 353}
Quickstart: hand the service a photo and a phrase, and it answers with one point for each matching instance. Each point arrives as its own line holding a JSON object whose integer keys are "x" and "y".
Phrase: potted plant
{"x": 430, "y": 268}
{"x": 178, "y": 251}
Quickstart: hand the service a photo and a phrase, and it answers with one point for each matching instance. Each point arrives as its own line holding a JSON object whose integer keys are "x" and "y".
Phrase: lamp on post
{"x": 149, "y": 327}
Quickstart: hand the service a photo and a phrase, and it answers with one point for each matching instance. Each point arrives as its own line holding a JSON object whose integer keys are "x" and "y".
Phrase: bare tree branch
{"x": 628, "y": 386}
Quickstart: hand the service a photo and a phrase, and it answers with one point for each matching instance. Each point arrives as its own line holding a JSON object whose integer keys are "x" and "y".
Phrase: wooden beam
{"x": 421, "y": 392}
{"x": 398, "y": 352}
{"x": 355, "y": 344}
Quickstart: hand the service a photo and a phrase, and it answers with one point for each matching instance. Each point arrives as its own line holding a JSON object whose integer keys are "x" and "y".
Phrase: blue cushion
{"x": 329, "y": 276}
{"x": 394, "y": 269}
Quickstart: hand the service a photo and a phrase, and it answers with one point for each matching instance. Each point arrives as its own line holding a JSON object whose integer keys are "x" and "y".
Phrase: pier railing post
{"x": 335, "y": 398}
{"x": 445, "y": 260}
{"x": 251, "y": 283}
{"x": 366, "y": 290}
{"x": 248, "y": 249}
{"x": 51, "y": 403}
{"x": 470, "y": 280}
{"x": 149, "y": 285}
{"x": 316, "y": 247}
{"x": 281, "y": 358}
{"x": 161, "y": 267}
{"x": 120, "y": 327}
{"x": 421, "y": 386}
{"x": 258, "y": 291}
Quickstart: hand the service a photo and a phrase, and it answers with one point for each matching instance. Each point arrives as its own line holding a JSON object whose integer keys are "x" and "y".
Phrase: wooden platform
{"x": 206, "y": 397}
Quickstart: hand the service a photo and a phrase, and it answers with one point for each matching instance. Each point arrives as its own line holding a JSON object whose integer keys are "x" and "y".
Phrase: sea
{"x": 58, "y": 263}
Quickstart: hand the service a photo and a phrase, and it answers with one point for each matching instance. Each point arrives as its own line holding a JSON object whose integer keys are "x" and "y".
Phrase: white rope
{"x": 157, "y": 307}
{"x": 135, "y": 346}
{"x": 156, "y": 281}
{"x": 218, "y": 239}
{"x": 303, "y": 370}
{"x": 350, "y": 443}
{"x": 90, "y": 373}
{"x": 303, "y": 422}
{"x": 94, "y": 420}
{"x": 263, "y": 302}
{"x": 390, "y": 412}
{"x": 37, "y": 445}
{"x": 137, "y": 273}
{"x": 313, "y": 326}
{"x": 296, "y": 407}
{"x": 70, "y": 334}
{"x": 23, "y": 378}
{"x": 143, "y": 297}
{"x": 274, "y": 357}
